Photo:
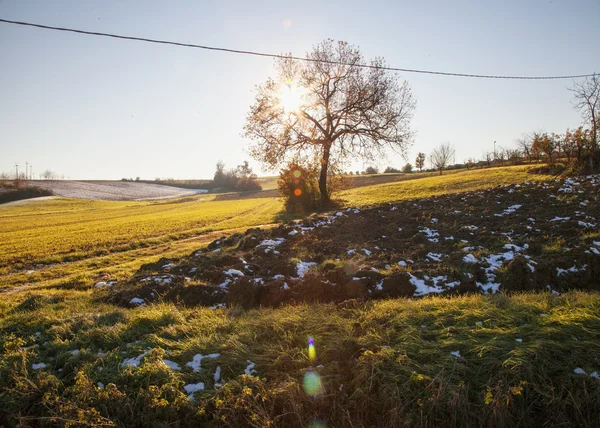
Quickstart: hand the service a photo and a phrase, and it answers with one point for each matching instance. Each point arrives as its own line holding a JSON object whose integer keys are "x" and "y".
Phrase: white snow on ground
{"x": 217, "y": 306}
{"x": 217, "y": 375}
{"x": 432, "y": 235}
{"x": 519, "y": 340}
{"x": 303, "y": 267}
{"x": 471, "y": 227}
{"x": 469, "y": 258}
{"x": 136, "y": 301}
{"x": 579, "y": 370}
{"x": 193, "y": 387}
{"x": 456, "y": 354}
{"x": 38, "y": 366}
{"x": 114, "y": 190}
{"x": 171, "y": 364}
{"x": 422, "y": 288}
{"x": 196, "y": 362}
{"x": 133, "y": 362}
{"x": 572, "y": 269}
{"x": 561, "y": 218}
{"x": 233, "y": 272}
{"x": 250, "y": 368}
{"x": 509, "y": 210}
{"x": 367, "y": 252}
{"x": 271, "y": 242}
{"x": 588, "y": 225}
{"x": 225, "y": 283}
{"x": 402, "y": 263}
{"x": 595, "y": 375}
{"x": 595, "y": 251}
{"x": 437, "y": 257}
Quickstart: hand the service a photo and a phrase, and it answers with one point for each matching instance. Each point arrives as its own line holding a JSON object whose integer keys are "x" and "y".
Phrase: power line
{"x": 243, "y": 52}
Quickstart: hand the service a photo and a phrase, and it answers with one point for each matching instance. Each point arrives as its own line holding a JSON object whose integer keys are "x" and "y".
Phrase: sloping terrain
{"x": 113, "y": 190}
{"x": 530, "y": 236}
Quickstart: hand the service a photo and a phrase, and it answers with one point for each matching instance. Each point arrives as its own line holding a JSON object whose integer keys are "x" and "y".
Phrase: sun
{"x": 290, "y": 97}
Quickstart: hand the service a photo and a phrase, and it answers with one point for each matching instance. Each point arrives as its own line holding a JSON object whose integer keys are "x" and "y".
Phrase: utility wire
{"x": 237, "y": 51}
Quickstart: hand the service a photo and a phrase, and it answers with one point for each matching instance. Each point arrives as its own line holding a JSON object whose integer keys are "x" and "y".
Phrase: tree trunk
{"x": 323, "y": 175}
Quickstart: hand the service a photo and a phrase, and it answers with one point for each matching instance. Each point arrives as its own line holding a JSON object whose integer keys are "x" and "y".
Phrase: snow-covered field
{"x": 114, "y": 190}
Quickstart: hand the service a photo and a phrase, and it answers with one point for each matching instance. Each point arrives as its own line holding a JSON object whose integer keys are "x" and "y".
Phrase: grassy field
{"x": 70, "y": 358}
{"x": 465, "y": 361}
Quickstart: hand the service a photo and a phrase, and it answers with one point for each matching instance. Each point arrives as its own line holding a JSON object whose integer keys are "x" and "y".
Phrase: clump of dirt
{"x": 517, "y": 276}
{"x": 510, "y": 238}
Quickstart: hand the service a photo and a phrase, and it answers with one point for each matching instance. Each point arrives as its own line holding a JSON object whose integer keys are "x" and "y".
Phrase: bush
{"x": 299, "y": 186}
{"x": 407, "y": 168}
{"x": 371, "y": 170}
{"x": 241, "y": 178}
{"x": 24, "y": 193}
{"x": 391, "y": 170}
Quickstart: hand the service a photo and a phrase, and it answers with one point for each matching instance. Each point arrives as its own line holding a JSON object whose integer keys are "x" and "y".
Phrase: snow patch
{"x": 196, "y": 363}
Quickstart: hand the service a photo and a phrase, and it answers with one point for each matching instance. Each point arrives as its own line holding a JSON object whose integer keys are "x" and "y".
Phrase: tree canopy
{"x": 330, "y": 108}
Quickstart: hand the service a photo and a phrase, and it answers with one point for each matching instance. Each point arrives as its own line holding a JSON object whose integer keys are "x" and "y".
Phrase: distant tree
{"x": 420, "y": 161}
{"x": 219, "y": 177}
{"x": 441, "y": 156}
{"x": 371, "y": 170}
{"x": 524, "y": 143}
{"x": 513, "y": 156}
{"x": 575, "y": 144}
{"x": 489, "y": 158}
{"x": 137, "y": 178}
{"x": 391, "y": 170}
{"x": 330, "y": 106}
{"x": 407, "y": 168}
{"x": 587, "y": 101}
{"x": 357, "y": 172}
{"x": 49, "y": 175}
{"x": 542, "y": 143}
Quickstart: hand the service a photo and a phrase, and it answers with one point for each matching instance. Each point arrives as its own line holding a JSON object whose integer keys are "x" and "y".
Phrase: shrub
{"x": 241, "y": 178}
{"x": 407, "y": 168}
{"x": 371, "y": 170}
{"x": 24, "y": 193}
{"x": 391, "y": 170}
{"x": 299, "y": 186}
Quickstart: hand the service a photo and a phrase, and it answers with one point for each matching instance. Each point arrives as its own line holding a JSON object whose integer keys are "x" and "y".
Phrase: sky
{"x": 96, "y": 108}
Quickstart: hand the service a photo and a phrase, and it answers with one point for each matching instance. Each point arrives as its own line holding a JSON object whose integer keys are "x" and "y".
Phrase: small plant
{"x": 299, "y": 186}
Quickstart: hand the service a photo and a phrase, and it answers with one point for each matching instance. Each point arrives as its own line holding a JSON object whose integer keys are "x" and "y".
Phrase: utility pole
{"x": 31, "y": 172}
{"x": 494, "y": 150}
{"x": 26, "y": 169}
{"x": 16, "y": 171}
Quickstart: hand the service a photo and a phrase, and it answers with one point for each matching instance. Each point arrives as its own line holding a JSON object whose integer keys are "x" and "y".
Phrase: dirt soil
{"x": 533, "y": 236}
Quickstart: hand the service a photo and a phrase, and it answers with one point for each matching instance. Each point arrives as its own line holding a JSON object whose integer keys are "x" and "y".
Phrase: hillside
{"x": 529, "y": 236}
{"x": 113, "y": 190}
{"x": 469, "y": 299}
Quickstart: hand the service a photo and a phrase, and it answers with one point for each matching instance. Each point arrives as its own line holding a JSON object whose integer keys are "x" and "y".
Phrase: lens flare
{"x": 312, "y": 384}
{"x": 297, "y": 192}
{"x": 312, "y": 352}
{"x": 297, "y": 174}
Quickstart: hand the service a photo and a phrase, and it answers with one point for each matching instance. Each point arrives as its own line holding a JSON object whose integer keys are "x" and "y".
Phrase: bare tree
{"x": 48, "y": 175}
{"x": 524, "y": 143}
{"x": 587, "y": 101}
{"x": 420, "y": 161}
{"x": 441, "y": 156}
{"x": 329, "y": 107}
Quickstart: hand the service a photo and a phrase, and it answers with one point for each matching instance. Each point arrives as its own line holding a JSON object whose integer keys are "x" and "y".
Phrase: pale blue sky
{"x": 97, "y": 108}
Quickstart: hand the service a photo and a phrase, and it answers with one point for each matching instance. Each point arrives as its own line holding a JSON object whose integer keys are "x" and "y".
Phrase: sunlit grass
{"x": 382, "y": 363}
{"x": 448, "y": 183}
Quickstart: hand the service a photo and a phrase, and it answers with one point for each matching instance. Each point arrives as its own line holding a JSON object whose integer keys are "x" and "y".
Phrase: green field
{"x": 437, "y": 361}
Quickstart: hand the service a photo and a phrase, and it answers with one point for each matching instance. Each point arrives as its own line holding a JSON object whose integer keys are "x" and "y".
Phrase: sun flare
{"x": 290, "y": 97}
